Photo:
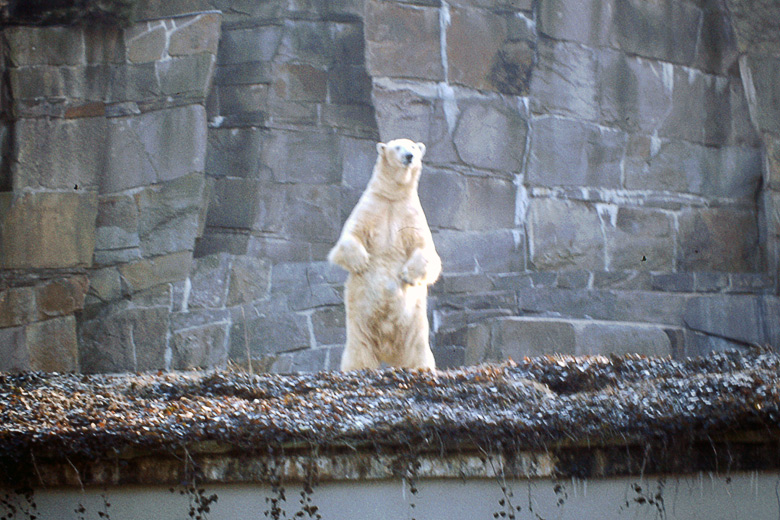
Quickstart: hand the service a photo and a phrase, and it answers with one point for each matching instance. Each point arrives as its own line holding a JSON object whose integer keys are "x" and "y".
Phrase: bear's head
{"x": 401, "y": 153}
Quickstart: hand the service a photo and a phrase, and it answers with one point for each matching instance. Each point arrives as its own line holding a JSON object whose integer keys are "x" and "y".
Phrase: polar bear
{"x": 387, "y": 248}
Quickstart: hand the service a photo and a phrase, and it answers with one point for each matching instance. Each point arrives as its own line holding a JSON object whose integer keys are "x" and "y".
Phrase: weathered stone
{"x": 133, "y": 82}
{"x": 639, "y": 240}
{"x": 202, "y": 347}
{"x": 271, "y": 334}
{"x": 248, "y": 73}
{"x": 763, "y": 74}
{"x": 310, "y": 360}
{"x": 733, "y": 317}
{"x": 464, "y": 282}
{"x": 319, "y": 165}
{"x": 587, "y": 22}
{"x": 146, "y": 42}
{"x": 252, "y": 44}
{"x": 168, "y": 215}
{"x": 311, "y": 212}
{"x": 17, "y": 306}
{"x": 61, "y": 297}
{"x": 491, "y": 135}
{"x": 249, "y": 280}
{"x": 565, "y": 235}
{"x": 471, "y": 60}
{"x": 516, "y": 338}
{"x": 634, "y": 93}
{"x": 150, "y": 272}
{"x": 155, "y": 147}
{"x": 569, "y": 152}
{"x": 492, "y": 251}
{"x": 565, "y": 81}
{"x": 105, "y": 285}
{"x": 700, "y": 108}
{"x": 575, "y": 279}
{"x": 195, "y": 35}
{"x": 349, "y": 85}
{"x": 673, "y": 282}
{"x": 666, "y": 31}
{"x": 14, "y": 356}
{"x": 717, "y": 50}
{"x": 468, "y": 203}
{"x": 117, "y": 223}
{"x": 124, "y": 340}
{"x": 307, "y": 42}
{"x": 300, "y": 82}
{"x": 235, "y": 152}
{"x": 618, "y": 305}
{"x": 52, "y": 345}
{"x": 605, "y": 338}
{"x": 209, "y": 279}
{"x": 717, "y": 239}
{"x": 63, "y": 154}
{"x": 403, "y": 41}
{"x": 674, "y": 165}
{"x": 329, "y": 326}
{"x": 239, "y": 203}
{"x": 45, "y": 46}
{"x": 186, "y": 76}
{"x": 53, "y": 229}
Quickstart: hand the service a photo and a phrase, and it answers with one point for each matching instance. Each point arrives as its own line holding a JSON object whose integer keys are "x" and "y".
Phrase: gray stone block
{"x": 168, "y": 215}
{"x": 235, "y": 152}
{"x": 640, "y": 240}
{"x": 271, "y": 334}
{"x": 61, "y": 296}
{"x": 763, "y": 73}
{"x": 604, "y": 338}
{"x": 300, "y": 82}
{"x": 700, "y": 109}
{"x": 569, "y": 152}
{"x": 105, "y": 285}
{"x": 245, "y": 73}
{"x": 209, "y": 282}
{"x": 495, "y": 251}
{"x": 203, "y": 347}
{"x": 349, "y": 85}
{"x": 311, "y": 212}
{"x": 195, "y": 34}
{"x": 52, "y": 345}
{"x": 565, "y": 80}
{"x": 516, "y": 338}
{"x": 146, "y": 42}
{"x": 320, "y": 164}
{"x": 309, "y": 360}
{"x": 48, "y": 230}
{"x": 45, "y": 46}
{"x": 154, "y": 147}
{"x": 329, "y": 326}
{"x": 634, "y": 94}
{"x": 133, "y": 82}
{"x": 471, "y": 60}
{"x": 587, "y": 22}
{"x": 717, "y": 239}
{"x": 250, "y": 44}
{"x": 186, "y": 76}
{"x": 565, "y": 235}
{"x": 491, "y": 135}
{"x": 737, "y": 318}
{"x": 403, "y": 41}
{"x": 604, "y": 304}
{"x": 17, "y": 306}
{"x": 124, "y": 340}
{"x": 14, "y": 356}
{"x": 250, "y": 280}
{"x": 59, "y": 154}
{"x": 117, "y": 223}
{"x": 667, "y": 31}
{"x": 150, "y": 272}
{"x": 306, "y": 41}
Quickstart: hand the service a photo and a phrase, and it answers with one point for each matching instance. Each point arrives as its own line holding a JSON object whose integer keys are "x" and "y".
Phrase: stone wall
{"x": 599, "y": 177}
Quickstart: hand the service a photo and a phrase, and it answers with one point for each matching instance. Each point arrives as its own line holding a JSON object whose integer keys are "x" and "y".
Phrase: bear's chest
{"x": 394, "y": 232}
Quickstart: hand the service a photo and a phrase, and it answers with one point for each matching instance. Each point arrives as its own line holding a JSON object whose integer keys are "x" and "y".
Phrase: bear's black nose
{"x": 408, "y": 158}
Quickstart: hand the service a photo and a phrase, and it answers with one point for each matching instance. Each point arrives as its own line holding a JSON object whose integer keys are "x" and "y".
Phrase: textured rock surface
{"x": 603, "y": 160}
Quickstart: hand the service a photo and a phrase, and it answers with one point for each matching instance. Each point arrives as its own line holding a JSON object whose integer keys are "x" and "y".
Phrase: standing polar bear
{"x": 387, "y": 248}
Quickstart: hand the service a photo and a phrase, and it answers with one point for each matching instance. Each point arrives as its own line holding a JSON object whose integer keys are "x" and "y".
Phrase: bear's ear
{"x": 422, "y": 149}
{"x": 380, "y": 148}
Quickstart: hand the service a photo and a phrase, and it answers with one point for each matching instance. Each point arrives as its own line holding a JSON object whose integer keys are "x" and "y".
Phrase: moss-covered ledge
{"x": 547, "y": 417}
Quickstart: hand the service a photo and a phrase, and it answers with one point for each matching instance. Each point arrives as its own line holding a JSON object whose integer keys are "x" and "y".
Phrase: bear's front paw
{"x": 351, "y": 255}
{"x": 412, "y": 275}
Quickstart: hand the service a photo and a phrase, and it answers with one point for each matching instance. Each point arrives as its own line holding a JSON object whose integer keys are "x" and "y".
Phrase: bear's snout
{"x": 408, "y": 158}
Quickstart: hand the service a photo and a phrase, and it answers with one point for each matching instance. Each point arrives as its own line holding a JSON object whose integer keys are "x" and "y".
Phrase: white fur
{"x": 387, "y": 248}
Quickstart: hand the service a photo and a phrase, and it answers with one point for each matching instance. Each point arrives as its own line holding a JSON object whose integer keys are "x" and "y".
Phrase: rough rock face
{"x": 601, "y": 177}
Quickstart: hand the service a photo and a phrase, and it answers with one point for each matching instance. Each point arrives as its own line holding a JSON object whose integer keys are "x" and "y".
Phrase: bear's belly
{"x": 386, "y": 308}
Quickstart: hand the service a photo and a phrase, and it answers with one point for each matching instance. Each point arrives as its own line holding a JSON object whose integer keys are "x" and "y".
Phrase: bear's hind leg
{"x": 358, "y": 354}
